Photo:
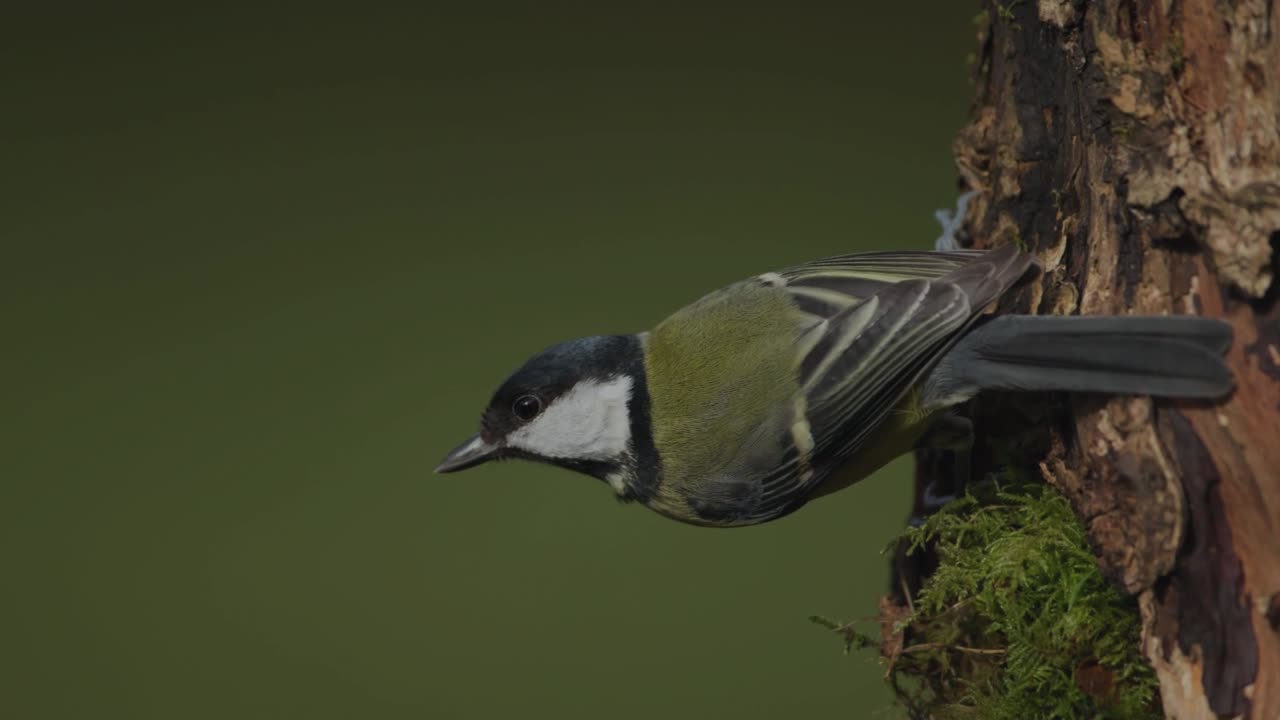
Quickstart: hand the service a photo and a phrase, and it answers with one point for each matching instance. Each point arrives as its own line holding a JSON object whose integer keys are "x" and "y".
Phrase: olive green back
{"x": 715, "y": 369}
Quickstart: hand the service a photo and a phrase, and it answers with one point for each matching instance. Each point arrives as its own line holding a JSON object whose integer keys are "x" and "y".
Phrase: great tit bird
{"x": 763, "y": 395}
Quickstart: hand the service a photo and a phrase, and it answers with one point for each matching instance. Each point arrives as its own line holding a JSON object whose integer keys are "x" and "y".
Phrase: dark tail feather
{"x": 1167, "y": 356}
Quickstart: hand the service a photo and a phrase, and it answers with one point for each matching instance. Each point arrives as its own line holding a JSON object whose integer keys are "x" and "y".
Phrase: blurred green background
{"x": 263, "y": 267}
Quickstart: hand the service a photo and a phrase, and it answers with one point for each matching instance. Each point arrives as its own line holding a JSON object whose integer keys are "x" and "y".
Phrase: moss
{"x": 1177, "y": 56}
{"x": 1018, "y": 241}
{"x": 1004, "y": 11}
{"x": 1016, "y": 622}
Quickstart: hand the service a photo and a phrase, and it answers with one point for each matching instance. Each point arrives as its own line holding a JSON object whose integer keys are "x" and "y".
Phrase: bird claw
{"x": 953, "y": 433}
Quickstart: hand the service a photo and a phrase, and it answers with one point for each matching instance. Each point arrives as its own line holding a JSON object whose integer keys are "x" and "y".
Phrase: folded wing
{"x": 880, "y": 320}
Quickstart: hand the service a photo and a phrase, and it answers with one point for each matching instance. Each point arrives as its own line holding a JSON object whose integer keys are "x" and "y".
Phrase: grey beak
{"x": 469, "y": 454}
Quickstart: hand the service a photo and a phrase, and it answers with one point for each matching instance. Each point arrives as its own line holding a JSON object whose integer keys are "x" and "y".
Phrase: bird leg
{"x": 952, "y": 433}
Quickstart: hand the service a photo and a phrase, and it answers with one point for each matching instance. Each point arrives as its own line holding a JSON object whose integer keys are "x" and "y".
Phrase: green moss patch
{"x": 1015, "y": 623}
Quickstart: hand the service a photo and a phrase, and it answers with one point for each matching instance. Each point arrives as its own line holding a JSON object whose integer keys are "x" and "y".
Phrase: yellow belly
{"x": 897, "y": 435}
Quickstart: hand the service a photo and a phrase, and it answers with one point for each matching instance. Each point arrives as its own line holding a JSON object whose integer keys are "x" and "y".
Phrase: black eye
{"x": 526, "y": 407}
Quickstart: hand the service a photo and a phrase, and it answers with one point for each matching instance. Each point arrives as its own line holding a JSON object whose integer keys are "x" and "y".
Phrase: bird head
{"x": 569, "y": 405}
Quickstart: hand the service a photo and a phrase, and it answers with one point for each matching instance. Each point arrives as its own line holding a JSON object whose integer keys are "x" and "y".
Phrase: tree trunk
{"x": 1134, "y": 146}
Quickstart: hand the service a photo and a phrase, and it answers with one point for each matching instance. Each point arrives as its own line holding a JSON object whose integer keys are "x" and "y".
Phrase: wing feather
{"x": 901, "y": 311}
{"x": 832, "y": 285}
{"x": 854, "y": 396}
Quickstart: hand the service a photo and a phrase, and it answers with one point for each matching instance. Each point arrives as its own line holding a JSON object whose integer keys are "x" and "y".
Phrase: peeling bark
{"x": 1134, "y": 146}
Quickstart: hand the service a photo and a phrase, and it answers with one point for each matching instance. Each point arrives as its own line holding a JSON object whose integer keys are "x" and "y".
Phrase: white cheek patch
{"x": 589, "y": 422}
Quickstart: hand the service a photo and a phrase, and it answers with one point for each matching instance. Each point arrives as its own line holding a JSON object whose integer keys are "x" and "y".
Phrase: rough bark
{"x": 1134, "y": 146}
